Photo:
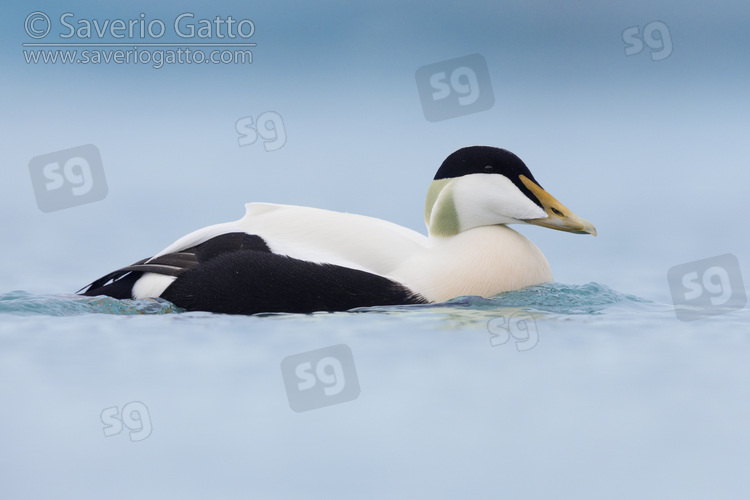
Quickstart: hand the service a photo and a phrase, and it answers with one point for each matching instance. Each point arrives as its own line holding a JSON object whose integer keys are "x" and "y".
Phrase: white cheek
{"x": 486, "y": 199}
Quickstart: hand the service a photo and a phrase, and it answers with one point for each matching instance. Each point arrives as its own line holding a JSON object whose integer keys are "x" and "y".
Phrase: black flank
{"x": 250, "y": 282}
{"x": 236, "y": 273}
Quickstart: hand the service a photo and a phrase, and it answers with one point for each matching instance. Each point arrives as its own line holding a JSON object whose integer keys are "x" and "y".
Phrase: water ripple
{"x": 557, "y": 298}
{"x": 29, "y": 304}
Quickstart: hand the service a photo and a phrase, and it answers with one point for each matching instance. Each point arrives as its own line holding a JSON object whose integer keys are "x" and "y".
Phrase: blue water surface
{"x": 548, "y": 297}
{"x": 613, "y": 384}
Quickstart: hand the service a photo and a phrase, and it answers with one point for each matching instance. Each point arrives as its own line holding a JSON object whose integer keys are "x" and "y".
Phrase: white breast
{"x": 481, "y": 261}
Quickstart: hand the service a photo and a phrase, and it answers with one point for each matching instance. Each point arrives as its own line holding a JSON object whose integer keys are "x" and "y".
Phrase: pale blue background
{"x": 632, "y": 403}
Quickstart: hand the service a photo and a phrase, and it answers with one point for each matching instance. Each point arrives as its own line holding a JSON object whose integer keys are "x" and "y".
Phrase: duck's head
{"x": 484, "y": 186}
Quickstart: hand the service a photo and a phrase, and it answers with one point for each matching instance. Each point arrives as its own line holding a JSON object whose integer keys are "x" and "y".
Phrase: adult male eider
{"x": 283, "y": 258}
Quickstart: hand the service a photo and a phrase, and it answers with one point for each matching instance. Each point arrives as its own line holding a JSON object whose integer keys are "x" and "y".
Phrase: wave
{"x": 549, "y": 297}
{"x": 29, "y": 304}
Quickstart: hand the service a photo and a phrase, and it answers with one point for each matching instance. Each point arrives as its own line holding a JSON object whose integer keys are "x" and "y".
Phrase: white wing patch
{"x": 317, "y": 235}
{"x": 151, "y": 285}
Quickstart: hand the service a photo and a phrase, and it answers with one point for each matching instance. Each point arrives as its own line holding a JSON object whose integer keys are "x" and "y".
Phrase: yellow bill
{"x": 558, "y": 216}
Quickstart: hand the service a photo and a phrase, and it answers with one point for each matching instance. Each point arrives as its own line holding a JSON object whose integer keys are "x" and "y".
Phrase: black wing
{"x": 119, "y": 284}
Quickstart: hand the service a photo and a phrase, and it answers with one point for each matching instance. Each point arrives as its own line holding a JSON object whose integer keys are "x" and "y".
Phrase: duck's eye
{"x": 557, "y": 212}
{"x": 489, "y": 168}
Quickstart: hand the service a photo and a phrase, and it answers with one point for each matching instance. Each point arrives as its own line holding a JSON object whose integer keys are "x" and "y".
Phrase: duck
{"x": 295, "y": 259}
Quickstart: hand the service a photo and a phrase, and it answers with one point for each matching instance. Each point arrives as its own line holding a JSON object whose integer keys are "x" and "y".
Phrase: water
{"x": 615, "y": 399}
{"x": 548, "y": 297}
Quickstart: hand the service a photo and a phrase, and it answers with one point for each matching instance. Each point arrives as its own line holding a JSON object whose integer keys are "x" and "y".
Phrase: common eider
{"x": 284, "y": 258}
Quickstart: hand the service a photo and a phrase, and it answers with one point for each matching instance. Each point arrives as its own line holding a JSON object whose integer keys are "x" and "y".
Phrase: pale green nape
{"x": 440, "y": 201}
